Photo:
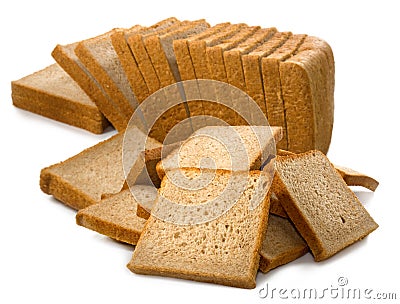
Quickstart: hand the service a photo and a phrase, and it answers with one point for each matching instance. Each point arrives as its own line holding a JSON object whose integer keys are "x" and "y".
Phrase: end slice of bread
{"x": 224, "y": 250}
{"x": 53, "y": 94}
{"x": 324, "y": 210}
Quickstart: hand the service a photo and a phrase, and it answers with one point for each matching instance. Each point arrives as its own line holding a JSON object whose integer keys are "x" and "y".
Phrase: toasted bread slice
{"x": 233, "y": 57}
{"x": 324, "y": 210}
{"x": 69, "y": 61}
{"x": 201, "y": 251}
{"x": 252, "y": 67}
{"x": 282, "y": 244}
{"x": 224, "y": 148}
{"x": 53, "y": 94}
{"x": 116, "y": 216}
{"x": 307, "y": 81}
{"x": 272, "y": 84}
{"x": 81, "y": 180}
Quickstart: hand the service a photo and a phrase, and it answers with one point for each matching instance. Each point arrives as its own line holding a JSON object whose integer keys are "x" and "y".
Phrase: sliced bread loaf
{"x": 67, "y": 59}
{"x": 223, "y": 251}
{"x": 81, "y": 180}
{"x": 282, "y": 244}
{"x": 237, "y": 148}
{"x": 53, "y": 94}
{"x": 324, "y": 210}
{"x": 116, "y": 216}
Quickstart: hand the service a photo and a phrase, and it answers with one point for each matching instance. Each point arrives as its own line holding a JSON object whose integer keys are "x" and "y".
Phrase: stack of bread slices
{"x": 212, "y": 231}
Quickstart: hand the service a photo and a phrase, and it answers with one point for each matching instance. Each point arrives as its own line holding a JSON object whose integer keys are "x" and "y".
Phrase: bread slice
{"x": 52, "y": 93}
{"x": 324, "y": 210}
{"x": 187, "y": 70}
{"x": 138, "y": 49}
{"x": 65, "y": 56}
{"x": 224, "y": 250}
{"x": 215, "y": 53}
{"x": 233, "y": 57}
{"x": 272, "y": 84}
{"x": 282, "y": 244}
{"x": 350, "y": 176}
{"x": 160, "y": 51}
{"x": 198, "y": 54}
{"x": 252, "y": 68}
{"x": 216, "y": 67}
{"x": 223, "y": 147}
{"x": 307, "y": 80}
{"x": 128, "y": 61}
{"x": 354, "y": 178}
{"x": 116, "y": 216}
{"x": 81, "y": 180}
{"x": 99, "y": 57}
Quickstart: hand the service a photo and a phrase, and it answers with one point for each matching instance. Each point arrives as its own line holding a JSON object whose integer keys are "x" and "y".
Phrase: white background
{"x": 47, "y": 258}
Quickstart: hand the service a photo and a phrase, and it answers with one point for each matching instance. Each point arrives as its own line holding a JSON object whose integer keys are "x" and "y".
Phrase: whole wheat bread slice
{"x": 355, "y": 178}
{"x": 187, "y": 70}
{"x": 81, "y": 180}
{"x": 324, "y": 210}
{"x": 223, "y": 251}
{"x": 52, "y": 93}
{"x": 282, "y": 244}
{"x": 100, "y": 59}
{"x": 116, "y": 216}
{"x": 307, "y": 81}
{"x": 119, "y": 40}
{"x": 233, "y": 57}
{"x": 205, "y": 149}
{"x": 272, "y": 84}
{"x": 252, "y": 67}
{"x": 198, "y": 54}
{"x": 350, "y": 176}
{"x": 65, "y": 56}
{"x": 216, "y": 67}
{"x": 160, "y": 51}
